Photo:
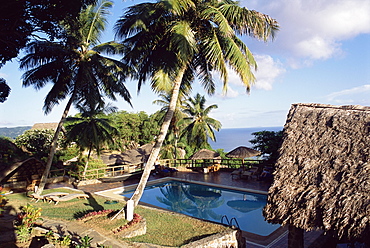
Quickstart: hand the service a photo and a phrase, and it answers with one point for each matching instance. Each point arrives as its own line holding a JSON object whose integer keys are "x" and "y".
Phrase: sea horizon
{"x": 230, "y": 138}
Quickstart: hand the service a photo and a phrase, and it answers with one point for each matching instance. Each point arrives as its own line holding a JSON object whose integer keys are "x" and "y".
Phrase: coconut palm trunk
{"x": 162, "y": 135}
{"x": 88, "y": 159}
{"x": 53, "y": 147}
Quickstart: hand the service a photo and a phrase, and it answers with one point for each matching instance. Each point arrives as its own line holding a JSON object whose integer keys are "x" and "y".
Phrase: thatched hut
{"x": 52, "y": 126}
{"x": 22, "y": 173}
{"x": 205, "y": 154}
{"x": 133, "y": 156}
{"x": 242, "y": 152}
{"x": 322, "y": 177}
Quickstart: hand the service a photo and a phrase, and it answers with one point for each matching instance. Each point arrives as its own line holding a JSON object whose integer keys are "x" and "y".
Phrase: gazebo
{"x": 243, "y": 152}
{"x": 205, "y": 154}
{"x": 322, "y": 177}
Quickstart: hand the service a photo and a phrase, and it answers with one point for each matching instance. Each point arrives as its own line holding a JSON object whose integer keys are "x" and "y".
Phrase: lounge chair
{"x": 45, "y": 197}
{"x": 68, "y": 197}
{"x": 247, "y": 174}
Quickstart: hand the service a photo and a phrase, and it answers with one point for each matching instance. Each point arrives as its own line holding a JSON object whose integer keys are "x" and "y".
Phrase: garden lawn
{"x": 163, "y": 227}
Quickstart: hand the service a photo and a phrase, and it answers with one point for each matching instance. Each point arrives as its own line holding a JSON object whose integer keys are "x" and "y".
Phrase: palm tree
{"x": 76, "y": 68}
{"x": 172, "y": 42}
{"x": 89, "y": 131}
{"x": 174, "y": 128}
{"x": 199, "y": 125}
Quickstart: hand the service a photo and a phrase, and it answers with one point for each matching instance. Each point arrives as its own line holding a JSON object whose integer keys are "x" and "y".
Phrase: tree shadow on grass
{"x": 92, "y": 203}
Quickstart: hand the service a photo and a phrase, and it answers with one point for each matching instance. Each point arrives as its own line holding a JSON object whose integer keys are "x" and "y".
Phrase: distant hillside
{"x": 13, "y": 132}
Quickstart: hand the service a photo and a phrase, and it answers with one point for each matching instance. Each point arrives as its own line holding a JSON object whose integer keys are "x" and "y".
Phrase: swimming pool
{"x": 210, "y": 203}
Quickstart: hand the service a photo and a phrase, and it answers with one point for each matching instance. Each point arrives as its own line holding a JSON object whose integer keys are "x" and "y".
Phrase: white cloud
{"x": 314, "y": 29}
{"x": 268, "y": 71}
{"x": 266, "y": 74}
{"x": 317, "y": 48}
{"x": 231, "y": 93}
{"x": 357, "y": 95}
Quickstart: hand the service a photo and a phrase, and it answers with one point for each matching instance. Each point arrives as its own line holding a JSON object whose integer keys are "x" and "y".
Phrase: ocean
{"x": 230, "y": 138}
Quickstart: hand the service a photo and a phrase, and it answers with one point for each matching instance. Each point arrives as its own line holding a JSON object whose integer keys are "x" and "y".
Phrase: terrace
{"x": 223, "y": 177}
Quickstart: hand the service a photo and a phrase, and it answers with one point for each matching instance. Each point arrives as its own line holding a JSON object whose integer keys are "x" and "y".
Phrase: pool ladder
{"x": 229, "y": 223}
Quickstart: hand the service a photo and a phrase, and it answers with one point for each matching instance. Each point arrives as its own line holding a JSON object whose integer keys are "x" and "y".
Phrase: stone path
{"x": 74, "y": 229}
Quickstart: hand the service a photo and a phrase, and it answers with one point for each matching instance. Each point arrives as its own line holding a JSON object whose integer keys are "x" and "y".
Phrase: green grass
{"x": 69, "y": 210}
{"x": 163, "y": 228}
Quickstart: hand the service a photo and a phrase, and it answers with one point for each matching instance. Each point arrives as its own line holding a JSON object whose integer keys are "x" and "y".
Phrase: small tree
{"x": 90, "y": 131}
{"x": 268, "y": 143}
{"x": 199, "y": 126}
{"x": 37, "y": 141}
{"x": 4, "y": 90}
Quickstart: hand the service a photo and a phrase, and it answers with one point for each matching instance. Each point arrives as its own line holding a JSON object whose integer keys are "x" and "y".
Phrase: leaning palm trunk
{"x": 87, "y": 162}
{"x": 162, "y": 135}
{"x": 53, "y": 148}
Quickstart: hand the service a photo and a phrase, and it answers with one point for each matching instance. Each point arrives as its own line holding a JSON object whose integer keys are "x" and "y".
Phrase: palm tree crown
{"x": 89, "y": 131}
{"x": 164, "y": 36}
{"x": 199, "y": 126}
{"x": 75, "y": 65}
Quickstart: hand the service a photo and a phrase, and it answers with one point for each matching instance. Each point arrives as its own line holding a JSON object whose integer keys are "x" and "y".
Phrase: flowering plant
{"x": 137, "y": 218}
{"x": 26, "y": 220}
{"x": 96, "y": 213}
{"x": 3, "y": 201}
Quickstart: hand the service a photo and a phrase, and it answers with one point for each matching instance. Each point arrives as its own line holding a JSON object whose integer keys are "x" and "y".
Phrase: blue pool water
{"x": 210, "y": 203}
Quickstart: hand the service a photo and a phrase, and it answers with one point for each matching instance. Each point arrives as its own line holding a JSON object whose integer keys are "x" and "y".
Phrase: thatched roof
{"x": 205, "y": 154}
{"x": 322, "y": 177}
{"x": 133, "y": 156}
{"x": 45, "y": 126}
{"x": 243, "y": 152}
{"x": 22, "y": 171}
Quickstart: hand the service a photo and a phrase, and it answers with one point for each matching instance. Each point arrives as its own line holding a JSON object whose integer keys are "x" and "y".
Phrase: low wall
{"x": 135, "y": 230}
{"x": 229, "y": 238}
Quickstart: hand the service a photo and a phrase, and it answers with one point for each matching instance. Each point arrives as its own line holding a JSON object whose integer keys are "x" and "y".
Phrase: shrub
{"x": 26, "y": 220}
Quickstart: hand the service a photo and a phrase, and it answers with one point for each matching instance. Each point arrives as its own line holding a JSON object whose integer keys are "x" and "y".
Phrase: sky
{"x": 321, "y": 54}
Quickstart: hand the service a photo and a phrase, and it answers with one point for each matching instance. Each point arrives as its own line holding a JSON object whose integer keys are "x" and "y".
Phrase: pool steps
{"x": 229, "y": 223}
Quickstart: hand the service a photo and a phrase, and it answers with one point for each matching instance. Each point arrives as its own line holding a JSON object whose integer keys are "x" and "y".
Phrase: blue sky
{"x": 320, "y": 55}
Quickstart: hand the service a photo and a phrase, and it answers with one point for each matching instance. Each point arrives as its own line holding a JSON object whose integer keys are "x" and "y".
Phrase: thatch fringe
{"x": 322, "y": 177}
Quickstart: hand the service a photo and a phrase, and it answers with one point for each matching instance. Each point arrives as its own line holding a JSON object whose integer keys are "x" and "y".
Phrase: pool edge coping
{"x": 263, "y": 241}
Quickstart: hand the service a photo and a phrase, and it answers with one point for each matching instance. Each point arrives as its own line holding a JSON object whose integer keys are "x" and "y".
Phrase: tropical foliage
{"x": 133, "y": 129}
{"x": 37, "y": 141}
{"x": 173, "y": 145}
{"x": 76, "y": 67}
{"x": 89, "y": 131}
{"x": 22, "y": 20}
{"x": 268, "y": 143}
{"x": 4, "y": 90}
